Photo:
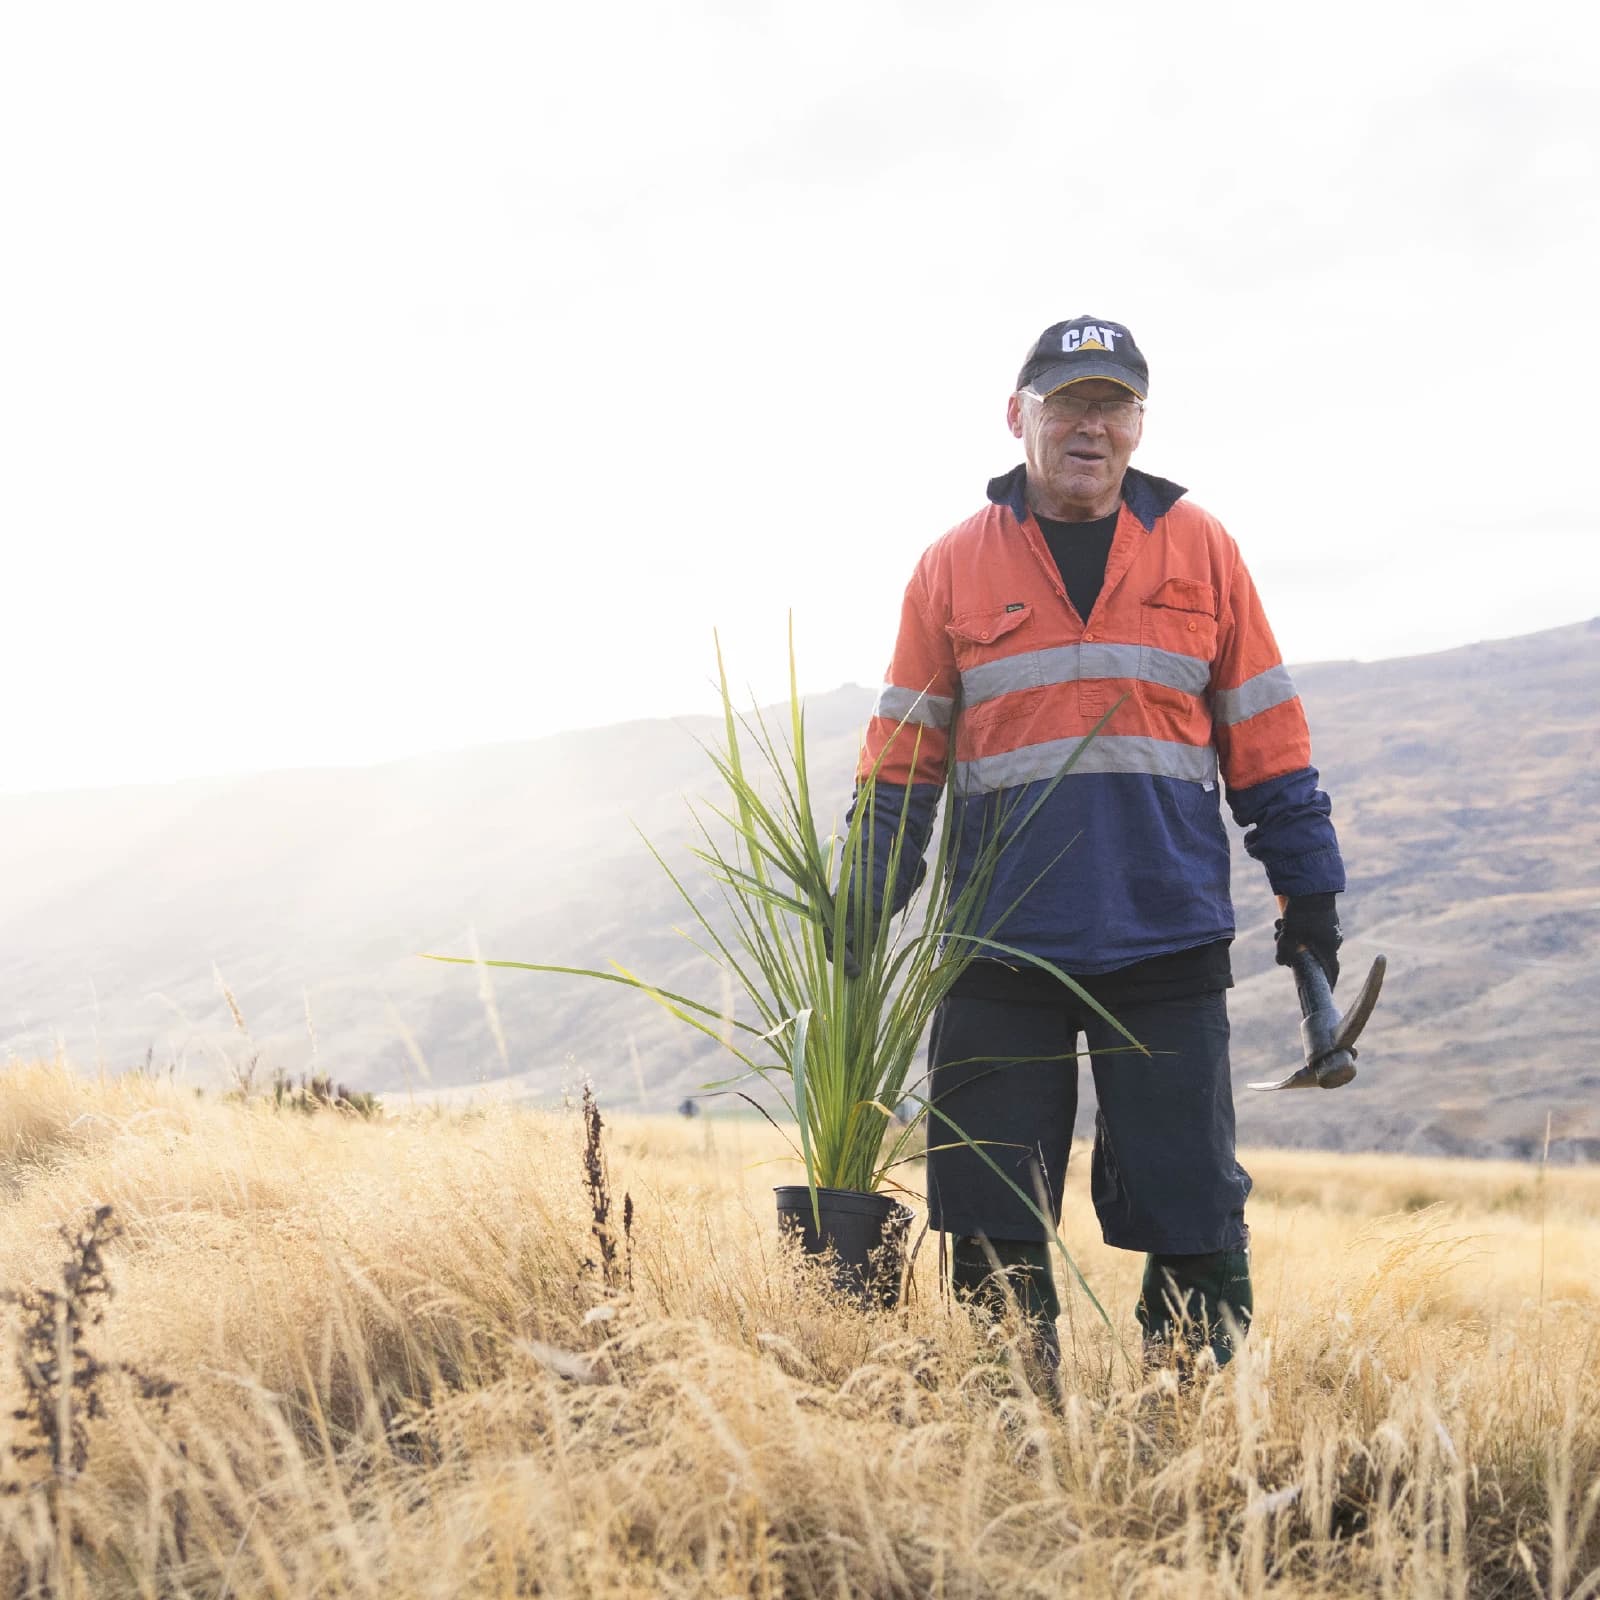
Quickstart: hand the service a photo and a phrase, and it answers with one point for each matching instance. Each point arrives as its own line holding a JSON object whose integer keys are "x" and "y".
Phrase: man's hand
{"x": 1311, "y": 920}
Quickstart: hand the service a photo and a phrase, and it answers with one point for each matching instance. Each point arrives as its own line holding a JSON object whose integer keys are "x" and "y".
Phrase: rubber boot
{"x": 1025, "y": 1270}
{"x": 1182, "y": 1300}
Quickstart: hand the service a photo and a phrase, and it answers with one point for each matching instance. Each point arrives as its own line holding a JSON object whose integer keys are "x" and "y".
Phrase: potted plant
{"x": 835, "y": 1041}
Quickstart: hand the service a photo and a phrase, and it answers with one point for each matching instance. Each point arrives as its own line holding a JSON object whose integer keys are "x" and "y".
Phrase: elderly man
{"x": 1082, "y": 585}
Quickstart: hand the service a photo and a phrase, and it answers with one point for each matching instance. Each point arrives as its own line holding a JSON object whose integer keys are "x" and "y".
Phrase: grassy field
{"x": 397, "y": 1370}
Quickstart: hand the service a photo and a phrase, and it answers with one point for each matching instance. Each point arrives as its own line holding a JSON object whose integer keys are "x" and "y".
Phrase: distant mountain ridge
{"x": 1466, "y": 788}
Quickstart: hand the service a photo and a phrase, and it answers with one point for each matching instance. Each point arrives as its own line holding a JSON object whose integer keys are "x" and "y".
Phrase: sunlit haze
{"x": 378, "y": 379}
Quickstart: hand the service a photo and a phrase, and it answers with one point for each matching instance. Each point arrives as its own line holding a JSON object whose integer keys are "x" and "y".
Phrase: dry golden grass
{"x": 399, "y": 1377}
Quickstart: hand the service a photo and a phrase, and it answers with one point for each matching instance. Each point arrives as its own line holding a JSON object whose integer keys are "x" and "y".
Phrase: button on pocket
{"x": 1178, "y": 642}
{"x": 992, "y": 650}
{"x": 1180, "y": 614}
{"x": 986, "y": 627}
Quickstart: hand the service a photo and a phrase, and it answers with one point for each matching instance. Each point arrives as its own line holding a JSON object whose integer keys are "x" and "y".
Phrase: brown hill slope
{"x": 1465, "y": 786}
{"x": 1467, "y": 792}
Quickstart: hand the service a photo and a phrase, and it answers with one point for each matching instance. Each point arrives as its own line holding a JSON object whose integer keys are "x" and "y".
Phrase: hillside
{"x": 1465, "y": 783}
{"x": 1467, "y": 787}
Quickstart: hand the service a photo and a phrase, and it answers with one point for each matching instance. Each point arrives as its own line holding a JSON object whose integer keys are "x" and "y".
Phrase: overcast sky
{"x": 382, "y": 378}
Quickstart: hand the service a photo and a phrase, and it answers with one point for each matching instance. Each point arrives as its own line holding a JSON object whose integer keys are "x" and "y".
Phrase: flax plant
{"x": 836, "y": 1047}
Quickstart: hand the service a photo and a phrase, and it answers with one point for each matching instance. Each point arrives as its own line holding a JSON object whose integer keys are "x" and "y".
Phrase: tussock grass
{"x": 398, "y": 1376}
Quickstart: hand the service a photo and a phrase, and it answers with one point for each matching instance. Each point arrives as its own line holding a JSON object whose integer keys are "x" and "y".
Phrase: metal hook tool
{"x": 1328, "y": 1038}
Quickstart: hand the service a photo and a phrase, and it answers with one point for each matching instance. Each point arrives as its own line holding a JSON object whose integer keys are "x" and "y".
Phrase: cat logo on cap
{"x": 1090, "y": 338}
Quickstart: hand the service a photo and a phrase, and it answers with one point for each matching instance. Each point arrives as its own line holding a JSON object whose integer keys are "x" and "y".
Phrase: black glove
{"x": 1311, "y": 920}
{"x": 852, "y": 967}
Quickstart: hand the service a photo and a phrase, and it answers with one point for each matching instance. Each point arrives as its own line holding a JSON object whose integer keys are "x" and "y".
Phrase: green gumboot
{"x": 1183, "y": 1298}
{"x": 1024, "y": 1271}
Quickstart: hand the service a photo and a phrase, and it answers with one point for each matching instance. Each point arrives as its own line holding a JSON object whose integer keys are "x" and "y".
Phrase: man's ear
{"x": 1014, "y": 415}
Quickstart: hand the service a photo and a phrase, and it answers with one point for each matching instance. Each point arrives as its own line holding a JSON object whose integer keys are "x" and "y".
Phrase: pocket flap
{"x": 984, "y": 627}
{"x": 1185, "y": 594}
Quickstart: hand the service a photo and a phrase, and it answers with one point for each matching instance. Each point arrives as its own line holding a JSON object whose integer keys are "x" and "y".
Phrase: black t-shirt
{"x": 1080, "y": 550}
{"x": 1201, "y": 970}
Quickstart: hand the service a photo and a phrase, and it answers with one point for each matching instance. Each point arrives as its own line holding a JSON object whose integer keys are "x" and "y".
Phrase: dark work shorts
{"x": 1164, "y": 1177}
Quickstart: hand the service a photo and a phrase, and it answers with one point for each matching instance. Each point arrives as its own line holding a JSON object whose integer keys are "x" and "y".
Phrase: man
{"x": 1083, "y": 585}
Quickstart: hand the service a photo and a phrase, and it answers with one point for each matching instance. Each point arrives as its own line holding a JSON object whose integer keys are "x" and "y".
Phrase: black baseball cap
{"x": 1085, "y": 347}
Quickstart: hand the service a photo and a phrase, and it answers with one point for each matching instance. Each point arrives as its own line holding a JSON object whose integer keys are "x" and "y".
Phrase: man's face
{"x": 1075, "y": 462}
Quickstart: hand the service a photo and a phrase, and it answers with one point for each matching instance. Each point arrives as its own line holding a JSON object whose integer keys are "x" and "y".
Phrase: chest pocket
{"x": 1178, "y": 642}
{"x": 992, "y": 651}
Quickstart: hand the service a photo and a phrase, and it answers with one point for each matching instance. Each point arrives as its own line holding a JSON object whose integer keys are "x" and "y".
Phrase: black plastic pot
{"x": 865, "y": 1232}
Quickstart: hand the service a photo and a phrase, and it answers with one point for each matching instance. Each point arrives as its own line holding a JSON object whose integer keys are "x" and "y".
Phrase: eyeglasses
{"x": 1063, "y": 407}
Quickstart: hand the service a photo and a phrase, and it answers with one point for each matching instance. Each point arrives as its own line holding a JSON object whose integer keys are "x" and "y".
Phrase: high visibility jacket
{"x": 1127, "y": 858}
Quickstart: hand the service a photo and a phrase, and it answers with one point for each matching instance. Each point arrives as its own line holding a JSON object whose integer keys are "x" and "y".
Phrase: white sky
{"x": 378, "y": 378}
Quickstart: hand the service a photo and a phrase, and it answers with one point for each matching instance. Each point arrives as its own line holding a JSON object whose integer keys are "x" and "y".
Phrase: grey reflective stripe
{"x": 907, "y": 705}
{"x": 1068, "y": 663}
{"x": 1175, "y": 671}
{"x": 1154, "y": 758}
{"x": 1110, "y": 661}
{"x": 1253, "y": 696}
{"x": 995, "y": 678}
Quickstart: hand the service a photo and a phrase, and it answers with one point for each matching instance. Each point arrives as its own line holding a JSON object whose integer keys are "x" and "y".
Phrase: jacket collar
{"x": 1148, "y": 496}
